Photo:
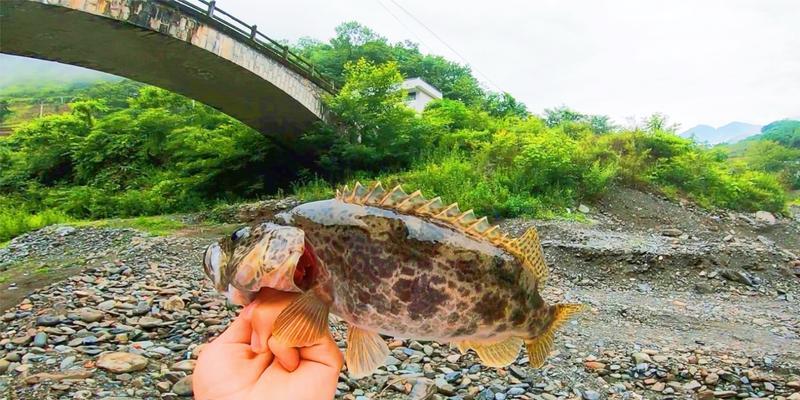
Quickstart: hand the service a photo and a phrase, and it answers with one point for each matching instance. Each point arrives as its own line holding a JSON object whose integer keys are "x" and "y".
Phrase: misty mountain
{"x": 23, "y": 74}
{"x": 730, "y": 133}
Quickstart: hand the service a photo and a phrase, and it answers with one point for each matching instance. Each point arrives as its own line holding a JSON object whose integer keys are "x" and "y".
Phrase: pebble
{"x": 183, "y": 387}
{"x": 119, "y": 362}
{"x": 47, "y": 320}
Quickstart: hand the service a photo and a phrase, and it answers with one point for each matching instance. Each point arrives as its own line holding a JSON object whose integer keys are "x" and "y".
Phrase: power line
{"x": 440, "y": 39}
{"x": 409, "y": 30}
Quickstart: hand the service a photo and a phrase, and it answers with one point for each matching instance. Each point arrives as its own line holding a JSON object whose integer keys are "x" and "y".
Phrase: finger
{"x": 325, "y": 352}
{"x": 263, "y": 318}
{"x": 240, "y": 330}
{"x": 267, "y": 306}
{"x": 289, "y": 357}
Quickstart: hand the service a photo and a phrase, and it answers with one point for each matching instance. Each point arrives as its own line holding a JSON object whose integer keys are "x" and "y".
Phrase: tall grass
{"x": 14, "y": 222}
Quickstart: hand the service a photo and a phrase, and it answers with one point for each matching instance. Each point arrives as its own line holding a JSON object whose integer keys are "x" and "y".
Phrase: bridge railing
{"x": 250, "y": 34}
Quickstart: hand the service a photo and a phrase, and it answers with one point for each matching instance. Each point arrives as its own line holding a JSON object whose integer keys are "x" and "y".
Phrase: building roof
{"x": 419, "y": 84}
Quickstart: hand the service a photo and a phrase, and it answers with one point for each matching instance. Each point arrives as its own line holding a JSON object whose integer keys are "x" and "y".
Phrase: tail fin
{"x": 541, "y": 346}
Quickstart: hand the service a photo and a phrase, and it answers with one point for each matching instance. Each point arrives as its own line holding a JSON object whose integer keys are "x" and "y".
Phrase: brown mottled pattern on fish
{"x": 386, "y": 277}
{"x": 395, "y": 264}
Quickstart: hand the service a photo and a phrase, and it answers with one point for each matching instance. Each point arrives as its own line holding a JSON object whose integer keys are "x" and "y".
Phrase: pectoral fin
{"x": 496, "y": 354}
{"x": 366, "y": 351}
{"x": 304, "y": 322}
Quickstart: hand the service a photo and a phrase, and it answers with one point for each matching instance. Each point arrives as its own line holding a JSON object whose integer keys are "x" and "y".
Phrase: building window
{"x": 412, "y": 96}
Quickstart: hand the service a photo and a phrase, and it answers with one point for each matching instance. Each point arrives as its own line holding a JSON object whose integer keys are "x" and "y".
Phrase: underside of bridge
{"x": 158, "y": 44}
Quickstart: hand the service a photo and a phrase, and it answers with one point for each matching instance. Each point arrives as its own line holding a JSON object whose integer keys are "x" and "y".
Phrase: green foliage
{"x": 160, "y": 153}
{"x": 4, "y": 109}
{"x": 375, "y": 131}
{"x": 571, "y": 120}
{"x": 354, "y": 41}
{"x": 14, "y": 221}
{"x": 786, "y": 132}
{"x": 156, "y": 225}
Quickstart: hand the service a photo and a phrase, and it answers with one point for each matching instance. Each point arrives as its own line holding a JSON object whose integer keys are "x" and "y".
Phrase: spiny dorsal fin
{"x": 526, "y": 248}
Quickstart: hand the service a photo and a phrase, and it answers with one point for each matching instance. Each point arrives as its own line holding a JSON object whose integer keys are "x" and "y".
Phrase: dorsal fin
{"x": 526, "y": 248}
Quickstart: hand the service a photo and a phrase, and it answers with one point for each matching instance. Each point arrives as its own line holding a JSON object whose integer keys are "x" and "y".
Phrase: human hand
{"x": 241, "y": 364}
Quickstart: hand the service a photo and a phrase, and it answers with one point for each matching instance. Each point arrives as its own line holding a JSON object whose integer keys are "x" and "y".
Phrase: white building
{"x": 420, "y": 93}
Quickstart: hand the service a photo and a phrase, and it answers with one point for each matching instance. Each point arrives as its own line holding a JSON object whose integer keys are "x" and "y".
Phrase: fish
{"x": 395, "y": 264}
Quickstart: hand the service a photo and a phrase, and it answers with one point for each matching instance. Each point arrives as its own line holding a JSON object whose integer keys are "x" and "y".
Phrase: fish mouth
{"x": 281, "y": 259}
{"x": 306, "y": 269}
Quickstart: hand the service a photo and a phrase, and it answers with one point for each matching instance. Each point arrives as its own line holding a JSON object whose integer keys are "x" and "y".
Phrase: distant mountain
{"x": 21, "y": 75}
{"x": 730, "y": 133}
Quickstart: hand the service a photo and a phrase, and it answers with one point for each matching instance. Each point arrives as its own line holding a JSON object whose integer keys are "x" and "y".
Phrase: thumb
{"x": 288, "y": 357}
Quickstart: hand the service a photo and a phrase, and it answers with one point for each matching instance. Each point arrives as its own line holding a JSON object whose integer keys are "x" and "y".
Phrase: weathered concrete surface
{"x": 160, "y": 44}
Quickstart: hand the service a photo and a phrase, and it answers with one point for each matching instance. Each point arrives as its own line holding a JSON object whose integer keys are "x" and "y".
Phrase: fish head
{"x": 265, "y": 255}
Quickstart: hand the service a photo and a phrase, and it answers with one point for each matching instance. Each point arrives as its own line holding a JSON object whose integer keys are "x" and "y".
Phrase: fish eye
{"x": 240, "y": 234}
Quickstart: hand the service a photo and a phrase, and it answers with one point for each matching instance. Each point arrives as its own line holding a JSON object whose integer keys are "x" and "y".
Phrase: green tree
{"x": 4, "y": 110}
{"x": 87, "y": 110}
{"x": 505, "y": 105}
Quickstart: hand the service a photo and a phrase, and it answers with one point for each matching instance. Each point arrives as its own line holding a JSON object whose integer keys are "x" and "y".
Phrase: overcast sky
{"x": 698, "y": 61}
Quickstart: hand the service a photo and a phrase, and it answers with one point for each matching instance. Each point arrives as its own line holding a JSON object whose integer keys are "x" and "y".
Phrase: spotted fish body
{"x": 399, "y": 265}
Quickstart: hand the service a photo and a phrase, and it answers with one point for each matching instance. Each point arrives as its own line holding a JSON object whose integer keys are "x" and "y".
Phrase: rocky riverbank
{"x": 678, "y": 310}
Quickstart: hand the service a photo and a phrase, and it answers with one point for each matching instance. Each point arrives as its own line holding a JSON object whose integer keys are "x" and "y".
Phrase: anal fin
{"x": 540, "y": 346}
{"x": 304, "y": 322}
{"x": 366, "y": 351}
{"x": 494, "y": 354}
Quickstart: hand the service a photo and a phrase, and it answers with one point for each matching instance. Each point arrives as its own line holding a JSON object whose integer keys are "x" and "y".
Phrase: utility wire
{"x": 409, "y": 30}
{"x": 440, "y": 39}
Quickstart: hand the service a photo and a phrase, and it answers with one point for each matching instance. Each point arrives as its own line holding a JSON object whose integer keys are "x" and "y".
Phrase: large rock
{"x": 183, "y": 387}
{"x": 120, "y": 362}
{"x": 765, "y": 217}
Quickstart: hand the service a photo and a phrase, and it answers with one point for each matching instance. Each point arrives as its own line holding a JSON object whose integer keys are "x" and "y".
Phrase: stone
{"x": 658, "y": 387}
{"x": 692, "y": 386}
{"x": 584, "y": 209}
{"x": 517, "y": 371}
{"x": 40, "y": 340}
{"x": 183, "y": 387}
{"x": 89, "y": 316}
{"x": 163, "y": 386}
{"x": 591, "y": 395}
{"x": 120, "y": 362}
{"x": 724, "y": 394}
{"x": 711, "y": 379}
{"x": 149, "y": 322}
{"x": 67, "y": 362}
{"x": 107, "y": 305}
{"x": 765, "y": 217}
{"x": 4, "y": 364}
{"x": 703, "y": 288}
{"x": 64, "y": 230}
{"x": 47, "y": 320}
{"x": 737, "y": 276}
{"x": 671, "y": 232}
{"x": 174, "y": 303}
{"x": 184, "y": 365}
{"x": 640, "y": 358}
{"x": 594, "y": 365}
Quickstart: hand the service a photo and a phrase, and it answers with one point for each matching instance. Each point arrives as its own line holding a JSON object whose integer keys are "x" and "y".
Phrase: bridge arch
{"x": 188, "y": 46}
